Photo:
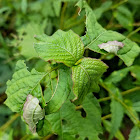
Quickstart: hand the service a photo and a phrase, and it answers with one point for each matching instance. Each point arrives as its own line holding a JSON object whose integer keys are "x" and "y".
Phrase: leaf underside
{"x": 32, "y": 112}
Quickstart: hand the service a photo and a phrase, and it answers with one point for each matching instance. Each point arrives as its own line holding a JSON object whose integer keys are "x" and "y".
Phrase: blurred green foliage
{"x": 21, "y": 20}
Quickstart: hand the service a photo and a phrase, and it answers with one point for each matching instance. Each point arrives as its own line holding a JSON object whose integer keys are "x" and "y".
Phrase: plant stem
{"x": 130, "y": 90}
{"x": 104, "y": 99}
{"x": 78, "y": 107}
{"x": 62, "y": 16}
{"x": 106, "y": 117}
{"x": 74, "y": 24}
{"x": 47, "y": 137}
{"x": 121, "y": 102}
{"x": 132, "y": 33}
{"x": 118, "y": 4}
{"x": 123, "y": 93}
{"x": 9, "y": 122}
{"x": 110, "y": 22}
{"x": 120, "y": 26}
{"x": 127, "y": 108}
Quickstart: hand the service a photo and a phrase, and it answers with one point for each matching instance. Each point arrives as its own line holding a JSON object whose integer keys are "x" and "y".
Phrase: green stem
{"x": 130, "y": 90}
{"x": 62, "y": 16}
{"x": 25, "y": 137}
{"x": 104, "y": 99}
{"x": 132, "y": 33}
{"x": 121, "y": 102}
{"x": 78, "y": 107}
{"x": 47, "y": 137}
{"x": 9, "y": 122}
{"x": 123, "y": 93}
{"x": 120, "y": 26}
{"x": 118, "y": 4}
{"x": 127, "y": 108}
{"x": 74, "y": 24}
{"x": 106, "y": 117}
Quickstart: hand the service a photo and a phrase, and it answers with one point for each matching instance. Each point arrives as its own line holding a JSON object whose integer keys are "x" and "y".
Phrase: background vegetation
{"x": 20, "y": 20}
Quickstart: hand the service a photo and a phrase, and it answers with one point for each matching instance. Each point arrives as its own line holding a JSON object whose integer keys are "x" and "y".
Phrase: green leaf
{"x": 65, "y": 47}
{"x": 57, "y": 7}
{"x": 23, "y": 83}
{"x": 61, "y": 91}
{"x": 104, "y": 7}
{"x": 30, "y": 30}
{"x": 135, "y": 72}
{"x": 69, "y": 124}
{"x": 85, "y": 76}
{"x": 48, "y": 93}
{"x": 135, "y": 133}
{"x": 133, "y": 115}
{"x": 118, "y": 134}
{"x": 43, "y": 128}
{"x": 136, "y": 106}
{"x": 136, "y": 2}
{"x": 97, "y": 35}
{"x": 124, "y": 17}
{"x": 53, "y": 8}
{"x": 32, "y": 112}
{"x": 24, "y": 6}
{"x": 37, "y": 92}
{"x": 7, "y": 135}
{"x": 5, "y": 74}
{"x": 117, "y": 110}
{"x": 117, "y": 76}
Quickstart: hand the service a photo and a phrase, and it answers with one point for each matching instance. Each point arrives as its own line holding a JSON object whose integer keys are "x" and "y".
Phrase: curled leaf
{"x": 32, "y": 112}
{"x": 111, "y": 46}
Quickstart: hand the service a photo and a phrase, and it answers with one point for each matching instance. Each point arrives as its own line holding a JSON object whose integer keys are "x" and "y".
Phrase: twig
{"x": 123, "y": 93}
{"x": 120, "y": 26}
{"x": 62, "y": 15}
{"x": 9, "y": 122}
{"x": 104, "y": 99}
{"x": 106, "y": 117}
{"x": 78, "y": 107}
{"x": 133, "y": 32}
{"x": 74, "y": 24}
{"x": 121, "y": 102}
{"x": 47, "y": 137}
{"x": 118, "y": 4}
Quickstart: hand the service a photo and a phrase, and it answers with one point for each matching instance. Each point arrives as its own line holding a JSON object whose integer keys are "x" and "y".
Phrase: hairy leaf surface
{"x": 85, "y": 75}
{"x": 65, "y": 47}
{"x": 96, "y": 35}
{"x": 69, "y": 123}
{"x": 61, "y": 91}
{"x": 23, "y": 83}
